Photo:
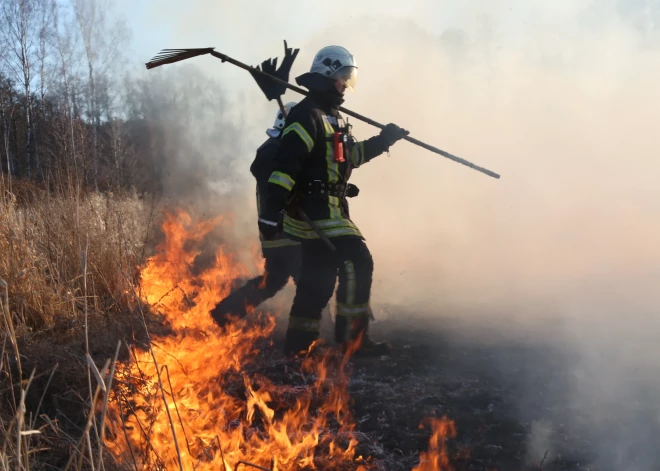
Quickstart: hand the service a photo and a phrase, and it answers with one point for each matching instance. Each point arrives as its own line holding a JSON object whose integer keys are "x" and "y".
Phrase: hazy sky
{"x": 559, "y": 97}
{"x": 251, "y": 31}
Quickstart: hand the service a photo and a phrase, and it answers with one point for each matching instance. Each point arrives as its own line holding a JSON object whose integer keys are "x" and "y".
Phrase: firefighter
{"x": 311, "y": 171}
{"x": 282, "y": 254}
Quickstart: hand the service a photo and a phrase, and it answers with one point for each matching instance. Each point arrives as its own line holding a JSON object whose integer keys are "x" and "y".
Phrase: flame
{"x": 188, "y": 402}
{"x": 436, "y": 458}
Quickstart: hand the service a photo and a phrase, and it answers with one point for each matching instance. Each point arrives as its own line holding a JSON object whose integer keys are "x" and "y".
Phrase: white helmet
{"x": 280, "y": 119}
{"x": 336, "y": 63}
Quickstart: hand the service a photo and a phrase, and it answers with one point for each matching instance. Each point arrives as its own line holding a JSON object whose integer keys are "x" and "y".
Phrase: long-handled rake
{"x": 264, "y": 75}
{"x": 169, "y": 56}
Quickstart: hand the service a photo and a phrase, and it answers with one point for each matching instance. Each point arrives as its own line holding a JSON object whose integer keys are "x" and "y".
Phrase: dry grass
{"x": 43, "y": 243}
{"x": 66, "y": 262}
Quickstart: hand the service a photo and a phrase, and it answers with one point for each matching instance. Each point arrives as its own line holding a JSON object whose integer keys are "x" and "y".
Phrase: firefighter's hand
{"x": 392, "y": 133}
{"x": 269, "y": 229}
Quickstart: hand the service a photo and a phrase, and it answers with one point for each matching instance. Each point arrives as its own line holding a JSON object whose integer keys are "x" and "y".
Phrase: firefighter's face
{"x": 341, "y": 86}
{"x": 345, "y": 79}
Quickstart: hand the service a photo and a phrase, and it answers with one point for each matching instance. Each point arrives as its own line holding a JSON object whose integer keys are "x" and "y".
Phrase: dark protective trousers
{"x": 281, "y": 263}
{"x": 319, "y": 270}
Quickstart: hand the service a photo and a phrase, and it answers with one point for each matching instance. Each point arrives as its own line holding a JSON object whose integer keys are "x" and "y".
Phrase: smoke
{"x": 193, "y": 137}
{"x": 563, "y": 249}
{"x": 559, "y": 98}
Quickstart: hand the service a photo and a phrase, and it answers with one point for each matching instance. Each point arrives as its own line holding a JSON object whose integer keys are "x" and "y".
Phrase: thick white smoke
{"x": 562, "y": 100}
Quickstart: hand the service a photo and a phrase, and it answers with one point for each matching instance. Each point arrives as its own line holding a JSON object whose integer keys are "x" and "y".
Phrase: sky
{"x": 229, "y": 26}
{"x": 253, "y": 31}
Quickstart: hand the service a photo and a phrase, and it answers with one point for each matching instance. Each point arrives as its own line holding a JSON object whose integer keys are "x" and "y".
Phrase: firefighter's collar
{"x": 272, "y": 132}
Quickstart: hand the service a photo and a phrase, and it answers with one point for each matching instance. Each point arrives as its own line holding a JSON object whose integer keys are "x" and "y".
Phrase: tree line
{"x": 65, "y": 111}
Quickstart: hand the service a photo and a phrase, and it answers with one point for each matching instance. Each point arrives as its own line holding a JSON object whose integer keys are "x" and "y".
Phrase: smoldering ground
{"x": 549, "y": 273}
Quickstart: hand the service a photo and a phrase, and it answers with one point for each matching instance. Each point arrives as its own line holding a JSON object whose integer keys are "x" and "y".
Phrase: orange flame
{"x": 188, "y": 403}
{"x": 190, "y": 412}
{"x": 436, "y": 458}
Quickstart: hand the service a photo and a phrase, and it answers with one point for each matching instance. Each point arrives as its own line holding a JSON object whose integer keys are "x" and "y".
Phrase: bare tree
{"x": 65, "y": 43}
{"x": 118, "y": 149}
{"x": 103, "y": 42}
{"x": 86, "y": 12}
{"x": 20, "y": 31}
{"x": 7, "y": 107}
{"x": 45, "y": 40}
{"x": 45, "y": 35}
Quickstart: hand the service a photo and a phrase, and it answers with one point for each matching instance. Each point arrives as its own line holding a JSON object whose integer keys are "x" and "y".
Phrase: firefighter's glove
{"x": 392, "y": 133}
{"x": 271, "y": 227}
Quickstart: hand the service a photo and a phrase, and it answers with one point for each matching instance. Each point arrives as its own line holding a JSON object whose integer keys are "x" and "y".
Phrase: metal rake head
{"x": 168, "y": 56}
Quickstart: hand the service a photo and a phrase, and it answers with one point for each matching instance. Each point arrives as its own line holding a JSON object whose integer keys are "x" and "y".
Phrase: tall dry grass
{"x": 67, "y": 261}
{"x": 42, "y": 243}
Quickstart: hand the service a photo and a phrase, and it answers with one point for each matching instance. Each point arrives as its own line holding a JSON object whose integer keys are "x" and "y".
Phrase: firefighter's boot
{"x": 352, "y": 334}
{"x": 300, "y": 335}
{"x": 236, "y": 304}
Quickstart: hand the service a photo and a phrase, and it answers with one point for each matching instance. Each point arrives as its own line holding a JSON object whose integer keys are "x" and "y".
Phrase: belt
{"x": 319, "y": 188}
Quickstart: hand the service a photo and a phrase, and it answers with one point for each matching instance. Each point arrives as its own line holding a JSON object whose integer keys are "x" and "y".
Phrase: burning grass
{"x": 187, "y": 396}
{"x": 190, "y": 403}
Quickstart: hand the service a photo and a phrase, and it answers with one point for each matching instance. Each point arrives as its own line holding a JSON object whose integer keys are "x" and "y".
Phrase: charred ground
{"x": 485, "y": 389}
{"x": 518, "y": 399}
{"x": 514, "y": 399}
{"x": 509, "y": 399}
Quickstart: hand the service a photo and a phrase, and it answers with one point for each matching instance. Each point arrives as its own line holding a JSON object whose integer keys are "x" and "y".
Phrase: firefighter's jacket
{"x": 307, "y": 175}
{"x": 261, "y": 169}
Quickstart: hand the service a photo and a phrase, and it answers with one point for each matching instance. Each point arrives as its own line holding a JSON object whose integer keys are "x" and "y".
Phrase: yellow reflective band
{"x": 273, "y": 244}
{"x": 282, "y": 179}
{"x": 311, "y": 234}
{"x": 304, "y": 135}
{"x": 296, "y": 223}
{"x": 353, "y": 310}
{"x": 298, "y": 229}
{"x": 341, "y": 231}
{"x": 333, "y": 206}
{"x": 333, "y": 167}
{"x": 300, "y": 233}
{"x": 329, "y": 130}
{"x": 322, "y": 223}
{"x": 302, "y": 323}
{"x": 350, "y": 281}
{"x": 330, "y": 227}
{"x": 357, "y": 154}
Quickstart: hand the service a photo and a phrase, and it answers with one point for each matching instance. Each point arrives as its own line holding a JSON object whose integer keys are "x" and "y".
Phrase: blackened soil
{"x": 430, "y": 375}
{"x": 512, "y": 401}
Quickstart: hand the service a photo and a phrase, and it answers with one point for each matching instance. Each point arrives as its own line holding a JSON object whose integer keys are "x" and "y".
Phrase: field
{"x": 101, "y": 293}
{"x": 522, "y": 311}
